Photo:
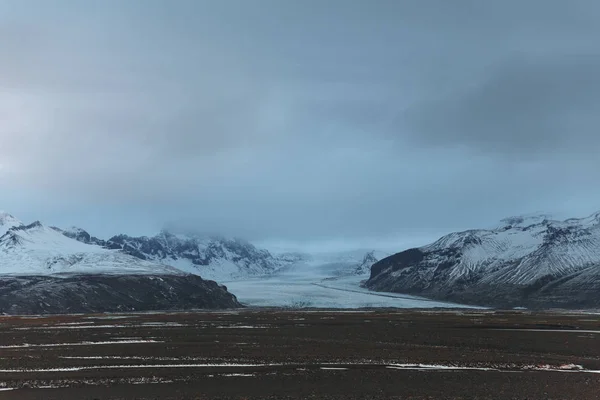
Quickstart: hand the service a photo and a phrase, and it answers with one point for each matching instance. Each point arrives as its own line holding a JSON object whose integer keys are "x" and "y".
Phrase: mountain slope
{"x": 531, "y": 261}
{"x": 7, "y": 221}
{"x": 80, "y": 235}
{"x": 44, "y": 270}
{"x": 39, "y": 250}
{"x": 211, "y": 257}
{"x": 223, "y": 259}
{"x": 110, "y": 293}
{"x": 370, "y": 258}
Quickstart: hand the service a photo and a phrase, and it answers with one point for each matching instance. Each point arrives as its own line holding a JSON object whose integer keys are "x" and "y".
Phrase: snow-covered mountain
{"x": 213, "y": 257}
{"x": 45, "y": 269}
{"x": 370, "y": 258}
{"x": 36, "y": 249}
{"x": 223, "y": 259}
{"x": 7, "y": 221}
{"x": 80, "y": 235}
{"x": 531, "y": 260}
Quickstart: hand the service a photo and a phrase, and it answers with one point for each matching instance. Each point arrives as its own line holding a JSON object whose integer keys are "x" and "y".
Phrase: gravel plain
{"x": 310, "y": 354}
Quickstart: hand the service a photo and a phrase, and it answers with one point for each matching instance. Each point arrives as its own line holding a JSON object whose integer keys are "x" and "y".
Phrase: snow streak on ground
{"x": 326, "y": 367}
{"x": 27, "y": 345}
{"x": 320, "y": 285}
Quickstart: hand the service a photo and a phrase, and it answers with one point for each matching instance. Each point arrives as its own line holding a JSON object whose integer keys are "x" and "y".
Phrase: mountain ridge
{"x": 36, "y": 249}
{"x": 48, "y": 270}
{"x": 92, "y": 293}
{"x": 213, "y": 257}
{"x": 536, "y": 262}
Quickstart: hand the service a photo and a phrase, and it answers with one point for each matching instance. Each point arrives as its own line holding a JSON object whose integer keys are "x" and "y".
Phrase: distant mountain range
{"x": 213, "y": 257}
{"x": 219, "y": 258}
{"x": 44, "y": 269}
{"x": 54, "y": 270}
{"x": 41, "y": 250}
{"x": 531, "y": 261}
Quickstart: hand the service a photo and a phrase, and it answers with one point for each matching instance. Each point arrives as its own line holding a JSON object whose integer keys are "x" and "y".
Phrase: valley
{"x": 51, "y": 270}
{"x": 323, "y": 285}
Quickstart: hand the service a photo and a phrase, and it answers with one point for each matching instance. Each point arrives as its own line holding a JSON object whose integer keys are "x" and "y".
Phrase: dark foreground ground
{"x": 254, "y": 354}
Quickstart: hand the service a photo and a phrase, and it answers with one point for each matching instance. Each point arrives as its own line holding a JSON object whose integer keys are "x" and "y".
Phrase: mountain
{"x": 370, "y": 258}
{"x": 35, "y": 249}
{"x": 44, "y": 269}
{"x": 222, "y": 259}
{"x": 7, "y": 221}
{"x": 80, "y": 235}
{"x": 212, "y": 257}
{"x": 530, "y": 261}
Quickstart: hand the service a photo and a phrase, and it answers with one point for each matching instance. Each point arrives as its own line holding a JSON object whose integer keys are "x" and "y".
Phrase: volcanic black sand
{"x": 275, "y": 354}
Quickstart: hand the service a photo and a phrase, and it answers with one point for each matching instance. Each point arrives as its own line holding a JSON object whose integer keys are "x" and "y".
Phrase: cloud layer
{"x": 337, "y": 121}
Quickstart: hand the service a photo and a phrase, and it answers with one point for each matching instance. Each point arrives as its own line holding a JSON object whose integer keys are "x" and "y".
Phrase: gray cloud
{"x": 340, "y": 122}
{"x": 526, "y": 106}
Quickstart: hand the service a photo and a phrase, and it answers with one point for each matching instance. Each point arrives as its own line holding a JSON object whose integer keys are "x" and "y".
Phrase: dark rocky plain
{"x": 311, "y": 354}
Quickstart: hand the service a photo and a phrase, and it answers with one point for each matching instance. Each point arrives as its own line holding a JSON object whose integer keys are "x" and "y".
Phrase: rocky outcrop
{"x": 80, "y": 235}
{"x": 364, "y": 267}
{"x": 106, "y": 293}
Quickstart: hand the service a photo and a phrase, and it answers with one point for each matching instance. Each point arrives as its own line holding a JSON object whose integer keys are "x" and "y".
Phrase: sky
{"x": 314, "y": 123}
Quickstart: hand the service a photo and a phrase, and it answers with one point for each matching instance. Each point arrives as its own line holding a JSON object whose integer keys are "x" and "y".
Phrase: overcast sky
{"x": 379, "y": 123}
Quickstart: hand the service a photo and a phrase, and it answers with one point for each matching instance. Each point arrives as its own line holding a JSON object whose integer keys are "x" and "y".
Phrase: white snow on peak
{"x": 211, "y": 257}
{"x": 521, "y": 251}
{"x": 7, "y": 221}
{"x": 590, "y": 221}
{"x": 36, "y": 249}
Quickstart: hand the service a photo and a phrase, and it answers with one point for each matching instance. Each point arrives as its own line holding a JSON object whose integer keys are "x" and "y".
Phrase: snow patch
{"x": 27, "y": 345}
